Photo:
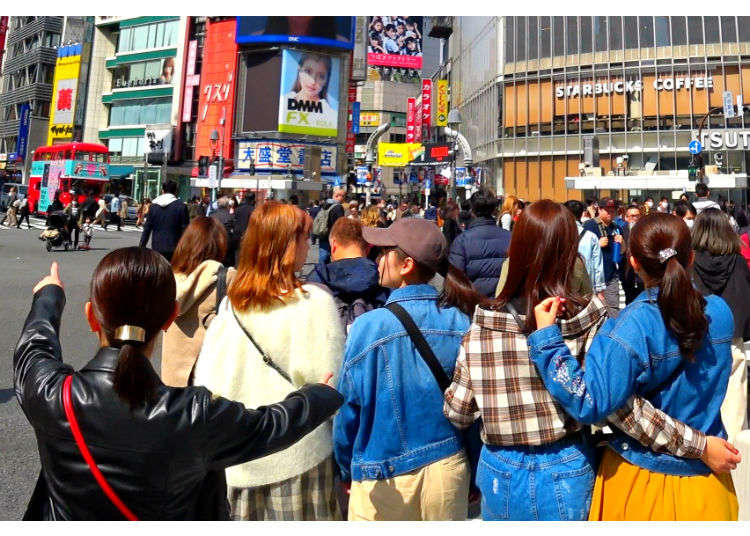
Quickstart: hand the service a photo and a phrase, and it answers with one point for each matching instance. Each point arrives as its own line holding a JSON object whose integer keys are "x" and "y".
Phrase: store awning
{"x": 678, "y": 181}
{"x": 117, "y": 171}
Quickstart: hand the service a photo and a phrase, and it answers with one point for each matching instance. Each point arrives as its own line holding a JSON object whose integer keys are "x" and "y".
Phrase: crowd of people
{"x": 432, "y": 358}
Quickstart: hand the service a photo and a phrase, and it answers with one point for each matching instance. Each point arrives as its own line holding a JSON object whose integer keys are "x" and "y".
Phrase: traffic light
{"x": 692, "y": 172}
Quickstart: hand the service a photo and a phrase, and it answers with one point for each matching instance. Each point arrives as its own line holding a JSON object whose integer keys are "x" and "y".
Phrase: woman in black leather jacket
{"x": 161, "y": 449}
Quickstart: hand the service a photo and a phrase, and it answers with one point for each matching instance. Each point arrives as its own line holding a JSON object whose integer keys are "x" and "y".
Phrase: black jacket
{"x": 242, "y": 219}
{"x": 227, "y": 219}
{"x": 727, "y": 276}
{"x": 167, "y": 224}
{"x": 156, "y": 458}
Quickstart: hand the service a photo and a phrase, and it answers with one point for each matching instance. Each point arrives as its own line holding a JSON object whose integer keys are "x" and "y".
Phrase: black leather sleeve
{"x": 236, "y": 434}
{"x": 38, "y": 355}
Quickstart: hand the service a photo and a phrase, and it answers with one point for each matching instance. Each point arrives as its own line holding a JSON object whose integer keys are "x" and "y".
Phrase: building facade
{"x": 639, "y": 88}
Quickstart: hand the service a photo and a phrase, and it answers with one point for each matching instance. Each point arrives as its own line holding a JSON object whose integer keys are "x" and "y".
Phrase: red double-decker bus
{"x": 65, "y": 168}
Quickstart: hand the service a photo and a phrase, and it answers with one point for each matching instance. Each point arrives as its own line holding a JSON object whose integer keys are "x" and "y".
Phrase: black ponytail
{"x": 133, "y": 382}
{"x": 682, "y": 308}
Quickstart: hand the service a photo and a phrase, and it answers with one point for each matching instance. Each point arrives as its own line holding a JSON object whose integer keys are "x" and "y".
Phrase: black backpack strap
{"x": 517, "y": 317}
{"x": 423, "y": 348}
{"x": 221, "y": 285}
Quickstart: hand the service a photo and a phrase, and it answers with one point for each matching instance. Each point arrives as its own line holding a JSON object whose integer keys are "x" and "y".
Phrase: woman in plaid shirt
{"x": 537, "y": 463}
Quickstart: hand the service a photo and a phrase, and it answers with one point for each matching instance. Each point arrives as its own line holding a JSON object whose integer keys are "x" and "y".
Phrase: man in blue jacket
{"x": 480, "y": 250}
{"x": 608, "y": 233}
{"x": 167, "y": 219}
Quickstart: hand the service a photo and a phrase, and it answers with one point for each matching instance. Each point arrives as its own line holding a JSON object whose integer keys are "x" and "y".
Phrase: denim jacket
{"x": 635, "y": 354}
{"x": 392, "y": 419}
{"x": 589, "y": 249}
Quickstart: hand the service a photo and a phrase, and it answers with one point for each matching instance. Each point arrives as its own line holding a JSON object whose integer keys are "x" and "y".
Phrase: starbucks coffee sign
{"x": 725, "y": 139}
{"x": 633, "y": 86}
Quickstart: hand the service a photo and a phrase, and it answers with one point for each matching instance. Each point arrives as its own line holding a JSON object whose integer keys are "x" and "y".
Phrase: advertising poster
{"x": 267, "y": 155}
{"x": 397, "y": 154}
{"x": 355, "y": 117}
{"x": 23, "y": 131}
{"x": 411, "y": 119}
{"x": 431, "y": 154}
{"x": 426, "y": 107}
{"x": 80, "y": 169}
{"x": 369, "y": 119}
{"x": 51, "y": 176}
{"x": 309, "y": 93}
{"x": 395, "y": 41}
{"x": 323, "y": 31}
{"x": 441, "y": 114}
{"x": 362, "y": 175}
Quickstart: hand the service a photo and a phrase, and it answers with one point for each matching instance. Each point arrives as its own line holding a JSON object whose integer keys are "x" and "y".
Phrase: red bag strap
{"x": 108, "y": 491}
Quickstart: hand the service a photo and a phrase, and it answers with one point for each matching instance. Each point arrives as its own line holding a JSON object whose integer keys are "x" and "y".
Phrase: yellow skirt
{"x": 626, "y": 492}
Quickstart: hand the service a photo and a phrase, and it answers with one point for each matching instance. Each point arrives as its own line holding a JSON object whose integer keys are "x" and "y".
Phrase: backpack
{"x": 320, "y": 223}
{"x": 348, "y": 312}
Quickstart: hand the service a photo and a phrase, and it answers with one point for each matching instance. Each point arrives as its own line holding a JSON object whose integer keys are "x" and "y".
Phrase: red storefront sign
{"x": 411, "y": 123}
{"x": 352, "y": 98}
{"x": 217, "y": 88}
{"x": 418, "y": 122}
{"x": 426, "y": 116}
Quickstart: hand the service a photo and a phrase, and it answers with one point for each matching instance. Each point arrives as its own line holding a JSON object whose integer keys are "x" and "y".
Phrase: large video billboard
{"x": 395, "y": 41}
{"x": 322, "y": 31}
{"x": 309, "y": 93}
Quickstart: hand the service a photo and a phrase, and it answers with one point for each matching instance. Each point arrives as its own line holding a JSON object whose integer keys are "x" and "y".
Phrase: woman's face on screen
{"x": 312, "y": 77}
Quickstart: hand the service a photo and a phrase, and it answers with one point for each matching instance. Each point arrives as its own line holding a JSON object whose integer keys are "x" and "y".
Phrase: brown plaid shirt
{"x": 495, "y": 378}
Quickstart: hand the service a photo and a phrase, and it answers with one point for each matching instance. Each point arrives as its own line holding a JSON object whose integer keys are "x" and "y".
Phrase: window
{"x": 630, "y": 31}
{"x": 571, "y": 25}
{"x": 646, "y": 31}
{"x": 140, "y": 37}
{"x": 159, "y": 35}
{"x": 533, "y": 38}
{"x": 585, "y": 35}
{"x": 137, "y": 71}
{"x": 712, "y": 29}
{"x": 170, "y": 33}
{"x": 130, "y": 146}
{"x": 520, "y": 38}
{"x": 141, "y": 112}
{"x": 509, "y": 40}
{"x": 695, "y": 31}
{"x": 126, "y": 36}
{"x": 558, "y": 35}
{"x": 728, "y": 30}
{"x": 115, "y": 145}
{"x": 153, "y": 69}
{"x": 545, "y": 37}
{"x": 662, "y": 31}
{"x": 679, "y": 31}
{"x": 615, "y": 32}
{"x": 600, "y": 33}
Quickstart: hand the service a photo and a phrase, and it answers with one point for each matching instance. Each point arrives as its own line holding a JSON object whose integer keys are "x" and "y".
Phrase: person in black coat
{"x": 167, "y": 219}
{"x": 162, "y": 450}
{"x": 242, "y": 215}
{"x": 480, "y": 250}
{"x": 227, "y": 219}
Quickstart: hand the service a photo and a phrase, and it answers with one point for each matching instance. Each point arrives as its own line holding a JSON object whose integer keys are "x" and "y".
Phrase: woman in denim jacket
{"x": 670, "y": 346}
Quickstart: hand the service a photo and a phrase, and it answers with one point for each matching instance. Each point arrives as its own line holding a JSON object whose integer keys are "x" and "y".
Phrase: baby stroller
{"x": 56, "y": 234}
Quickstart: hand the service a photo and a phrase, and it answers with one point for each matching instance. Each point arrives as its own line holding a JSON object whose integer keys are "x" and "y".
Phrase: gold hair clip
{"x": 130, "y": 333}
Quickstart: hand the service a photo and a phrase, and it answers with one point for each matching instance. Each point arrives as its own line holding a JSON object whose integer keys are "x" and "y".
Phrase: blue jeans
{"x": 552, "y": 482}
{"x": 324, "y": 251}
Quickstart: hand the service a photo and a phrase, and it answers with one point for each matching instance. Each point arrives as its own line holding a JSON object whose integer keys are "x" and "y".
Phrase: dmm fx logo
{"x": 299, "y": 110}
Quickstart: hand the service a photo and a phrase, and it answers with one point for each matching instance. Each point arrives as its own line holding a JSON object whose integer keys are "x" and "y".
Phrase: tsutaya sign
{"x": 725, "y": 139}
{"x": 633, "y": 86}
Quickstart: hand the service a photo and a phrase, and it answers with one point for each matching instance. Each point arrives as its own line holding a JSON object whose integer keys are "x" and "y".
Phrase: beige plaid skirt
{"x": 310, "y": 496}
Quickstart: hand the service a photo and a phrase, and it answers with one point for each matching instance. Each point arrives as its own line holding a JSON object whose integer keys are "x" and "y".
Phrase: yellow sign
{"x": 441, "y": 112}
{"x": 369, "y": 119}
{"x": 64, "y": 96}
{"x": 397, "y": 154}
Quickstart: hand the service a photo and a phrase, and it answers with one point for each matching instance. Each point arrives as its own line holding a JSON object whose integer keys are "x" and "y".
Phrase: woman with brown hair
{"x": 115, "y": 442}
{"x": 538, "y": 464}
{"x": 371, "y": 217}
{"x": 508, "y": 212}
{"x": 202, "y": 282}
{"x": 273, "y": 334}
{"x": 671, "y": 346}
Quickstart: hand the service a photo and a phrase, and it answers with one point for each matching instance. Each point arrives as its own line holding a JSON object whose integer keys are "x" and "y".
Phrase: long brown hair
{"x": 204, "y": 239}
{"x": 133, "y": 286}
{"x": 542, "y": 254}
{"x": 713, "y": 233}
{"x": 682, "y": 307}
{"x": 265, "y": 270}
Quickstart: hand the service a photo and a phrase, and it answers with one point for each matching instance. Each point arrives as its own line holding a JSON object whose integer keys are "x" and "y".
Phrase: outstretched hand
{"x": 720, "y": 455}
{"x": 52, "y": 279}
{"x": 327, "y": 379}
{"x": 547, "y": 310}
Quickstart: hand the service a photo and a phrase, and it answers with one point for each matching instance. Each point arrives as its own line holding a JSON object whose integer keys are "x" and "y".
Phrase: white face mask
{"x": 649, "y": 204}
{"x": 664, "y": 204}
{"x": 689, "y": 223}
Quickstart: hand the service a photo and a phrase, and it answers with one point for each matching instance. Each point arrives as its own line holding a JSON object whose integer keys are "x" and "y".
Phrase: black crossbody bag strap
{"x": 266, "y": 358}
{"x": 423, "y": 347}
{"x": 512, "y": 310}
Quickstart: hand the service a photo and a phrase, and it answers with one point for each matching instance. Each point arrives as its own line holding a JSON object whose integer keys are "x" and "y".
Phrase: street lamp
{"x": 214, "y": 138}
{"x": 454, "y": 121}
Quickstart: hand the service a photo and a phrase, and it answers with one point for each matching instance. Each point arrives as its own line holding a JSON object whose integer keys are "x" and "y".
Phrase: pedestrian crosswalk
{"x": 40, "y": 223}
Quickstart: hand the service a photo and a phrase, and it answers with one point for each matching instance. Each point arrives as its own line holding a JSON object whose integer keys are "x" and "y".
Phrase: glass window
{"x": 159, "y": 37}
{"x": 743, "y": 23}
{"x": 116, "y": 114}
{"x": 615, "y": 32}
{"x": 646, "y": 31}
{"x": 149, "y": 112}
{"x": 728, "y": 30}
{"x": 585, "y": 35}
{"x": 132, "y": 114}
{"x": 129, "y": 146}
{"x": 712, "y": 29}
{"x": 140, "y": 36}
{"x": 170, "y": 33}
{"x": 571, "y": 27}
{"x": 153, "y": 69}
{"x": 630, "y": 31}
{"x": 695, "y": 31}
{"x": 520, "y": 38}
{"x": 165, "y": 112}
{"x": 661, "y": 25}
{"x": 137, "y": 70}
{"x": 533, "y": 38}
{"x": 558, "y": 24}
{"x": 126, "y": 34}
{"x": 141, "y": 147}
{"x": 545, "y": 37}
{"x": 509, "y": 40}
{"x": 679, "y": 32}
{"x": 600, "y": 33}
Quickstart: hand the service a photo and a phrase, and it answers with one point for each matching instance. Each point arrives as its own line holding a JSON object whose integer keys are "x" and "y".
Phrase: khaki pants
{"x": 734, "y": 407}
{"x": 436, "y": 492}
{"x": 10, "y": 217}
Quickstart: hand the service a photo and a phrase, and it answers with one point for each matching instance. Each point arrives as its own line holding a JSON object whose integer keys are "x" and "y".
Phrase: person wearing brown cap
{"x": 605, "y": 229}
{"x": 404, "y": 459}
